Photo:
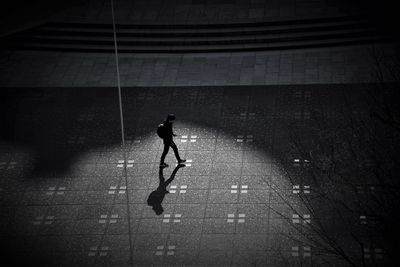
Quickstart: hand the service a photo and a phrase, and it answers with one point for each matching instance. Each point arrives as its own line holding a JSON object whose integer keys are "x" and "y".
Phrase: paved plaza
{"x": 323, "y": 66}
{"x": 70, "y": 196}
{"x": 286, "y": 113}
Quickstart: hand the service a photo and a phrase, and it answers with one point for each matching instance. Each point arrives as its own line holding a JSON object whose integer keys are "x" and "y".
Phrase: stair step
{"x": 273, "y": 35}
{"x": 297, "y": 22}
{"x": 194, "y": 34}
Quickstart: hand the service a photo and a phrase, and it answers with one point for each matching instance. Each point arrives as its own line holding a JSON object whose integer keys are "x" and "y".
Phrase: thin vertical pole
{"x": 122, "y": 132}
{"x": 118, "y": 79}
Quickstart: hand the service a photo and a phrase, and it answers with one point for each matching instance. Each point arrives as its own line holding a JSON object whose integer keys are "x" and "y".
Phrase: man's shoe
{"x": 163, "y": 165}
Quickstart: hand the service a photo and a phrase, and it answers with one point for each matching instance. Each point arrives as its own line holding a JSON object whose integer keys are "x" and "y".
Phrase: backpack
{"x": 161, "y": 130}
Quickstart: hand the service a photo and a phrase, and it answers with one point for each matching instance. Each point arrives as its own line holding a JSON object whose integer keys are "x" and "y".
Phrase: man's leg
{"x": 178, "y": 158}
{"x": 164, "y": 154}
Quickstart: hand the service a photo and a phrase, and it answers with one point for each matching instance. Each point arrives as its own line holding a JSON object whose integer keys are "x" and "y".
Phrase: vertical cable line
{"x": 122, "y": 131}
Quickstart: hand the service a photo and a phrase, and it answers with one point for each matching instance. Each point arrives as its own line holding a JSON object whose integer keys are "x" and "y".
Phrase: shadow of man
{"x": 156, "y": 197}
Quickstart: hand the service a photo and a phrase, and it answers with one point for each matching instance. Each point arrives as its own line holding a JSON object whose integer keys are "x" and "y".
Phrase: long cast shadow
{"x": 156, "y": 197}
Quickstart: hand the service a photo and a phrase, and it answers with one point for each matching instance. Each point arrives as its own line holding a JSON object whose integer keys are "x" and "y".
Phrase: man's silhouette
{"x": 167, "y": 137}
{"x": 156, "y": 197}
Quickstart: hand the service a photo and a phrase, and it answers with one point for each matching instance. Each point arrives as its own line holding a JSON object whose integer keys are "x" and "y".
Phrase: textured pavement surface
{"x": 317, "y": 66}
{"x": 69, "y": 196}
{"x": 253, "y": 127}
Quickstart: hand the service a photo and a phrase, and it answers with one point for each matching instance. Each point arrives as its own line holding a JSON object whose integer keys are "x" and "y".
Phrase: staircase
{"x": 200, "y": 38}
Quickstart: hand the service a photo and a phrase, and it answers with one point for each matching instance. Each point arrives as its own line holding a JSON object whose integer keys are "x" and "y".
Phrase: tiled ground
{"x": 69, "y": 196}
{"x": 317, "y": 66}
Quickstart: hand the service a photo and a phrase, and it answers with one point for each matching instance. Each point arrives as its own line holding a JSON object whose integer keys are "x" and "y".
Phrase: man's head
{"x": 170, "y": 117}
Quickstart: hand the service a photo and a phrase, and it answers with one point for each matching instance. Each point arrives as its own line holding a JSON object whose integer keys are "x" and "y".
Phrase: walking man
{"x": 166, "y": 133}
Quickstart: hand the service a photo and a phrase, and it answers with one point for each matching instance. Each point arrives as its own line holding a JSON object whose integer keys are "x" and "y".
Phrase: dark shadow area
{"x": 51, "y": 122}
{"x": 383, "y": 14}
{"x": 19, "y": 15}
{"x": 156, "y": 197}
{"x": 11, "y": 246}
